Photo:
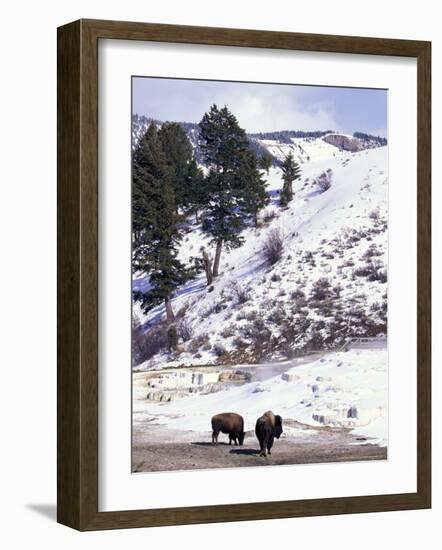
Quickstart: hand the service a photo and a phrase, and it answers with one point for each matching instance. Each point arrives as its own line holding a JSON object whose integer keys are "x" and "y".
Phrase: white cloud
{"x": 258, "y": 107}
{"x": 272, "y": 109}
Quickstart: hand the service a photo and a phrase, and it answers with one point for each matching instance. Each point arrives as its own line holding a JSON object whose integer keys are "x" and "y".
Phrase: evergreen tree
{"x": 290, "y": 172}
{"x": 222, "y": 140}
{"x": 196, "y": 196}
{"x": 254, "y": 195}
{"x": 223, "y": 218}
{"x": 223, "y": 143}
{"x": 155, "y": 224}
{"x": 266, "y": 161}
{"x": 178, "y": 153}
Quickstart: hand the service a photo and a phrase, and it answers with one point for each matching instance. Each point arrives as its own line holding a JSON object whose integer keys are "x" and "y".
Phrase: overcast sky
{"x": 264, "y": 107}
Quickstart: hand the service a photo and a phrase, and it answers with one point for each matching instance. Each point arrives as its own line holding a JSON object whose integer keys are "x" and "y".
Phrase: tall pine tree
{"x": 290, "y": 172}
{"x": 196, "y": 196}
{"x": 155, "y": 223}
{"x": 223, "y": 143}
{"x": 253, "y": 187}
{"x": 265, "y": 161}
{"x": 223, "y": 218}
{"x": 178, "y": 153}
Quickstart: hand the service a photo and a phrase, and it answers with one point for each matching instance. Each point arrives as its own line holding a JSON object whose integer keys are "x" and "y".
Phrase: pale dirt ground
{"x": 159, "y": 449}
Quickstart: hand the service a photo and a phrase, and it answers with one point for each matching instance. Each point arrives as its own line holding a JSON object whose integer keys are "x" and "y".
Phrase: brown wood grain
{"x": 68, "y": 276}
{"x": 77, "y": 226}
{"x": 424, "y": 273}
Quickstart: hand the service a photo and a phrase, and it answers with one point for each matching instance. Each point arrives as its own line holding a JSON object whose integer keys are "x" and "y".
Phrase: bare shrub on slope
{"x": 147, "y": 344}
{"x": 273, "y": 247}
{"x": 324, "y": 181}
{"x": 185, "y": 330}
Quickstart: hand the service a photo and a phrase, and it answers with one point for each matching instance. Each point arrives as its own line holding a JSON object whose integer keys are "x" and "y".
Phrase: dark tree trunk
{"x": 207, "y": 267}
{"x": 219, "y": 245}
{"x": 170, "y": 317}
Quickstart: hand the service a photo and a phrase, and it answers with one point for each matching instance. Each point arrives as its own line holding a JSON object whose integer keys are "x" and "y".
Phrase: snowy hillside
{"x": 306, "y": 149}
{"x": 329, "y": 284}
{"x": 305, "y": 146}
{"x": 303, "y": 149}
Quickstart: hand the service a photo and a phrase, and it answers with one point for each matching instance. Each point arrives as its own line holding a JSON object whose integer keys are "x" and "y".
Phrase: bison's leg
{"x": 215, "y": 434}
{"x": 262, "y": 444}
{"x": 270, "y": 444}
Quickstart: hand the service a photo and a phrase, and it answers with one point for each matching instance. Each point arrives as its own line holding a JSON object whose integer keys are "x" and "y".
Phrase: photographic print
{"x": 259, "y": 274}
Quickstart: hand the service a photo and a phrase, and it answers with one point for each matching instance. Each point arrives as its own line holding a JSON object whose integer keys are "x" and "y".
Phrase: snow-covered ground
{"x": 303, "y": 149}
{"x": 340, "y": 389}
{"x": 330, "y": 283}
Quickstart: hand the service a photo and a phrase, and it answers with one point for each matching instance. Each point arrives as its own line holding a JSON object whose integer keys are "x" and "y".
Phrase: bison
{"x": 228, "y": 423}
{"x": 268, "y": 426}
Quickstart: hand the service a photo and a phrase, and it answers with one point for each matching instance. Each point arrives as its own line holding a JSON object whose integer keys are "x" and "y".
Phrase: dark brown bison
{"x": 228, "y": 423}
{"x": 268, "y": 426}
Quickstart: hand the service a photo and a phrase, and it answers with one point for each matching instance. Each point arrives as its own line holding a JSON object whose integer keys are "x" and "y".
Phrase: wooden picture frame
{"x": 77, "y": 462}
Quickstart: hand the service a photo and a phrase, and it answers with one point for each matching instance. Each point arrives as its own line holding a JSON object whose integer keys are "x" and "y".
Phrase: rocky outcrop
{"x": 290, "y": 377}
{"x": 341, "y": 416}
{"x": 344, "y": 143}
{"x": 235, "y": 376}
{"x": 164, "y": 396}
{"x": 167, "y": 386}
